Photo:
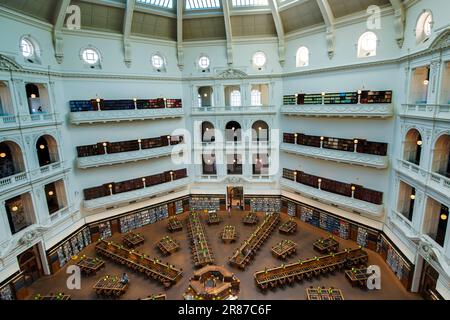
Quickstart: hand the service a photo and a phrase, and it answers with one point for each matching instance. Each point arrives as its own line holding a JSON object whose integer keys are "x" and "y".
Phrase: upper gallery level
{"x": 25, "y": 103}
{"x": 428, "y": 91}
{"x": 100, "y": 111}
{"x": 354, "y": 151}
{"x": 362, "y": 103}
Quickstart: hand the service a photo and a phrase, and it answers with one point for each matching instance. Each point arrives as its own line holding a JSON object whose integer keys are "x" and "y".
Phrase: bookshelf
{"x": 309, "y": 99}
{"x": 143, "y": 218}
{"x": 179, "y": 208}
{"x": 59, "y": 255}
{"x": 376, "y": 97}
{"x": 341, "y": 98}
{"x": 6, "y": 292}
{"x": 123, "y": 104}
{"x": 265, "y": 204}
{"x": 289, "y": 100}
{"x": 291, "y": 209}
{"x": 204, "y": 203}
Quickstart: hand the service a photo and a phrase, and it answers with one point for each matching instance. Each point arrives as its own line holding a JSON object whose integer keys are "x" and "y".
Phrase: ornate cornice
{"x": 7, "y": 63}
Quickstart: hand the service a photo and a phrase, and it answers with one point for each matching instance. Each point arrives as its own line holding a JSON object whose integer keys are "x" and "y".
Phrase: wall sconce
{"x": 14, "y": 208}
{"x": 135, "y": 102}
{"x": 426, "y": 82}
{"x": 33, "y": 96}
{"x": 42, "y": 147}
{"x": 50, "y": 193}
{"x": 143, "y": 181}
{"x": 98, "y": 103}
{"x": 323, "y": 94}
{"x": 2, "y": 155}
{"x": 444, "y": 217}
{"x": 419, "y": 143}
{"x": 413, "y": 197}
{"x": 359, "y": 91}
{"x": 320, "y": 183}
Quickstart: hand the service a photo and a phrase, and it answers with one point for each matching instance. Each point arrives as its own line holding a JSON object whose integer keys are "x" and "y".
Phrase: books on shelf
{"x": 179, "y": 207}
{"x": 291, "y": 209}
{"x": 204, "y": 203}
{"x": 361, "y": 237}
{"x": 265, "y": 204}
{"x": 289, "y": 100}
{"x": 71, "y": 247}
{"x": 341, "y": 98}
{"x": 376, "y": 97}
{"x": 143, "y": 218}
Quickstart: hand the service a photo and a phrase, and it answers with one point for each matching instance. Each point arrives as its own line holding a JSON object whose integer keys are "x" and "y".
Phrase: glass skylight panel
{"x": 158, "y": 3}
{"x": 202, "y": 4}
{"x": 250, "y": 3}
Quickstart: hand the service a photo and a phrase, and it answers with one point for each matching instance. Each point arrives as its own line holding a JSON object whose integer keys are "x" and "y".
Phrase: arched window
{"x": 367, "y": 45}
{"x": 235, "y": 98}
{"x": 255, "y": 98}
{"x": 26, "y": 48}
{"x": 424, "y": 26}
{"x": 302, "y": 57}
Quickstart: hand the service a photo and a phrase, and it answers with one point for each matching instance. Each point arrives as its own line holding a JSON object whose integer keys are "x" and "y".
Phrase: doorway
{"x": 428, "y": 281}
{"x": 30, "y": 264}
{"x": 235, "y": 198}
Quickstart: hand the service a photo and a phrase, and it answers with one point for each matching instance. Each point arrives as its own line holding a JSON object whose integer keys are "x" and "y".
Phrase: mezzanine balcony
{"x": 236, "y": 110}
{"x": 426, "y": 111}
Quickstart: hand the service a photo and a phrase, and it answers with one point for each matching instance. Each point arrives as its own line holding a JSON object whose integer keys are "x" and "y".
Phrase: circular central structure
{"x": 212, "y": 283}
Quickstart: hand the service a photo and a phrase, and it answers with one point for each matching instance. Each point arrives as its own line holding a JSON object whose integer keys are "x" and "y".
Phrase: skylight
{"x": 202, "y": 4}
{"x": 250, "y": 3}
{"x": 158, "y": 3}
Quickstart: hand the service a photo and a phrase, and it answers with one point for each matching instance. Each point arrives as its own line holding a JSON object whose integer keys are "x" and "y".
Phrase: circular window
{"x": 369, "y": 41}
{"x": 203, "y": 62}
{"x": 26, "y": 48}
{"x": 90, "y": 56}
{"x": 259, "y": 59}
{"x": 428, "y": 24}
{"x": 157, "y": 61}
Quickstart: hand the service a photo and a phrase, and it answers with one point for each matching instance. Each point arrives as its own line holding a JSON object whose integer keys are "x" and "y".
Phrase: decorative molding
{"x": 425, "y": 111}
{"x": 135, "y": 195}
{"x": 124, "y": 115}
{"x": 273, "y": 4}
{"x": 9, "y": 64}
{"x": 231, "y": 74}
{"x": 368, "y": 209}
{"x": 339, "y": 110}
{"x": 122, "y": 157}
{"x": 399, "y": 21}
{"x": 228, "y": 111}
{"x": 361, "y": 159}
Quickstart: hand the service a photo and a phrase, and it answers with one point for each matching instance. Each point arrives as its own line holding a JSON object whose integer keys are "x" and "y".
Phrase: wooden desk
{"x": 168, "y": 246}
{"x": 201, "y": 252}
{"x": 324, "y": 294}
{"x": 327, "y": 245}
{"x": 58, "y": 296}
{"x": 213, "y": 218}
{"x": 289, "y": 227}
{"x": 174, "y": 224}
{"x": 228, "y": 234}
{"x": 110, "y": 286}
{"x": 284, "y": 249}
{"x": 133, "y": 240}
{"x": 90, "y": 265}
{"x": 248, "y": 248}
{"x": 308, "y": 269}
{"x": 357, "y": 277}
{"x": 154, "y": 269}
{"x": 161, "y": 296}
{"x": 250, "y": 219}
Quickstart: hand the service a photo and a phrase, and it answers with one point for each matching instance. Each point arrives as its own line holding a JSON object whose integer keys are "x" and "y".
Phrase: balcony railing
{"x": 351, "y": 204}
{"x": 135, "y": 195}
{"x": 38, "y": 119}
{"x": 340, "y": 110}
{"x": 426, "y": 111}
{"x": 237, "y": 110}
{"x": 23, "y": 178}
{"x": 362, "y": 159}
{"x": 13, "y": 181}
{"x": 124, "y": 115}
{"x": 8, "y": 122}
{"x": 433, "y": 180}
